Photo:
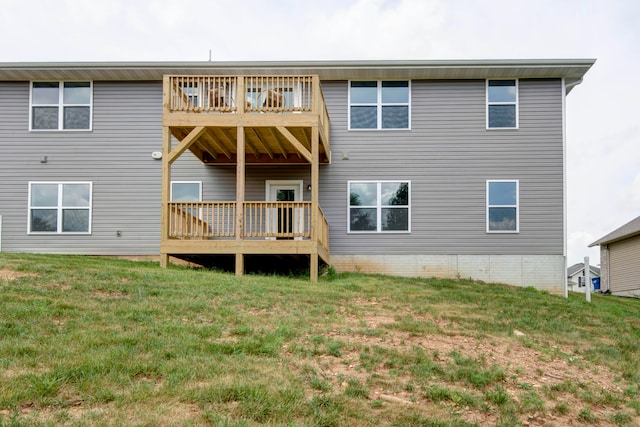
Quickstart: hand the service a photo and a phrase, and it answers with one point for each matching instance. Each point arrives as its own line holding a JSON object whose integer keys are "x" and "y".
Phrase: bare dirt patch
{"x": 8, "y": 275}
{"x": 528, "y": 369}
{"x": 109, "y": 295}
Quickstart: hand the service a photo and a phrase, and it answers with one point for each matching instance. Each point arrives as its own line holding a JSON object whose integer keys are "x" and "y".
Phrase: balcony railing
{"x": 262, "y": 220}
{"x": 229, "y": 94}
{"x": 201, "y": 220}
{"x": 283, "y": 220}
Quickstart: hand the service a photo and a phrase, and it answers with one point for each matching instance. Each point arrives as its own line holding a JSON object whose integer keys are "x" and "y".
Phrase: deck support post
{"x": 165, "y": 192}
{"x": 240, "y": 184}
{"x": 239, "y": 264}
{"x": 315, "y": 210}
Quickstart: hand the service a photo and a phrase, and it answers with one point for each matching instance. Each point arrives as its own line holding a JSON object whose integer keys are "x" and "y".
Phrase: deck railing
{"x": 279, "y": 94}
{"x": 201, "y": 220}
{"x": 253, "y": 94}
{"x": 203, "y": 94}
{"x": 323, "y": 230}
{"x": 262, "y": 220}
{"x": 284, "y": 220}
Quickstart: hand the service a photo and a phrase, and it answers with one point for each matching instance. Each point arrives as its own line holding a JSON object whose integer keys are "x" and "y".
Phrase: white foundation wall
{"x": 544, "y": 272}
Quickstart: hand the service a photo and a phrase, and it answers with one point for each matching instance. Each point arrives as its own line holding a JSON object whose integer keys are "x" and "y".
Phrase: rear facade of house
{"x": 423, "y": 168}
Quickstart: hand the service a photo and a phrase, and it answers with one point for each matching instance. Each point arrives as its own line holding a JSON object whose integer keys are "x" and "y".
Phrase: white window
{"x": 503, "y": 206}
{"x": 187, "y": 191}
{"x": 379, "y": 105}
{"x": 60, "y": 207}
{"x": 502, "y": 104}
{"x": 379, "y": 206}
{"x": 61, "y": 105}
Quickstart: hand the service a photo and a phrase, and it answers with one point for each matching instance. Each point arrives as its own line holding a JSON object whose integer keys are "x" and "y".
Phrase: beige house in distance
{"x": 620, "y": 260}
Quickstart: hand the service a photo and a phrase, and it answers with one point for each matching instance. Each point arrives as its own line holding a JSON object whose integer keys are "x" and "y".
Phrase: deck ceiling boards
{"x": 570, "y": 69}
{"x": 263, "y": 145}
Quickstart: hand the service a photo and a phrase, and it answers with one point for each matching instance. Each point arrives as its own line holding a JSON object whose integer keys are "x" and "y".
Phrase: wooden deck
{"x": 278, "y": 114}
{"x": 241, "y": 120}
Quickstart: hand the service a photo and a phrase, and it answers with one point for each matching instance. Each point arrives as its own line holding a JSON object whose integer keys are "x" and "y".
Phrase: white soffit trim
{"x": 570, "y": 69}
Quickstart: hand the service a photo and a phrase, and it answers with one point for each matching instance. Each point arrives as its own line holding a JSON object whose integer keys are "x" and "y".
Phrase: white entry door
{"x": 286, "y": 219}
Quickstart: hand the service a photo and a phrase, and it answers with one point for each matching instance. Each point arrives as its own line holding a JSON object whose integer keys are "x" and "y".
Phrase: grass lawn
{"x": 98, "y": 341}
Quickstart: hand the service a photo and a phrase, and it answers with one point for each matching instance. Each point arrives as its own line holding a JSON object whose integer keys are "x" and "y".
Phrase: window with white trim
{"x": 187, "y": 191}
{"x": 503, "y": 209}
{"x": 61, "y": 105}
{"x": 379, "y": 206}
{"x": 502, "y": 104}
{"x": 379, "y": 104}
{"x": 60, "y": 207}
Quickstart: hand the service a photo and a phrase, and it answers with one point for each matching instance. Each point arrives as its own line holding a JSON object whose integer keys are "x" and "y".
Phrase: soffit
{"x": 630, "y": 229}
{"x": 571, "y": 69}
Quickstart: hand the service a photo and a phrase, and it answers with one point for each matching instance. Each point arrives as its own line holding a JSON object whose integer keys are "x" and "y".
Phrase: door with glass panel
{"x": 285, "y": 219}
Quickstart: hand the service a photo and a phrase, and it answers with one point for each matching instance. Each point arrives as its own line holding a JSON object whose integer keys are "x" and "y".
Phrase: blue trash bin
{"x": 596, "y": 283}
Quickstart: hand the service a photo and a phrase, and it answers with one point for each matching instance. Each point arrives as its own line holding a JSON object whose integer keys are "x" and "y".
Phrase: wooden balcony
{"x": 263, "y": 221}
{"x": 278, "y": 114}
{"x": 196, "y": 228}
{"x": 242, "y": 120}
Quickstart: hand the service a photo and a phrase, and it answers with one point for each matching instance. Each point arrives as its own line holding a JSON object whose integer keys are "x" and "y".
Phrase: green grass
{"x": 99, "y": 341}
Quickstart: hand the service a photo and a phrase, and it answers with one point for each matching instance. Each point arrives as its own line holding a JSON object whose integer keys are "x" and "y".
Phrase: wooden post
{"x": 165, "y": 192}
{"x": 587, "y": 278}
{"x": 240, "y": 183}
{"x": 315, "y": 211}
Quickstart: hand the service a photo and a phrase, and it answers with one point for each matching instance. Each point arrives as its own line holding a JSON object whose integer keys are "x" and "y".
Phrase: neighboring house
{"x": 620, "y": 260}
{"x": 576, "y": 277}
{"x": 415, "y": 168}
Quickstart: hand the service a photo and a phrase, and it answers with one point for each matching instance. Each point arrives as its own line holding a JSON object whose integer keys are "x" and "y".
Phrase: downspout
{"x": 566, "y": 88}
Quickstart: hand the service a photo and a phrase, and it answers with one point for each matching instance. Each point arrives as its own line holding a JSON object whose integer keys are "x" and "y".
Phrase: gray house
{"x": 620, "y": 260}
{"x": 415, "y": 168}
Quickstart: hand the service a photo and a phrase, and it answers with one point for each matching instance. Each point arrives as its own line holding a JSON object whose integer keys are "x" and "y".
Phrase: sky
{"x": 603, "y": 113}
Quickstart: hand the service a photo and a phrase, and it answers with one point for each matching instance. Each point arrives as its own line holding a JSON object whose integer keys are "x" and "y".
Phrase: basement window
{"x": 503, "y": 206}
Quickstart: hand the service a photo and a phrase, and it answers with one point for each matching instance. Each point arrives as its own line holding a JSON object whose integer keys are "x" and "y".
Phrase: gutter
{"x": 569, "y": 86}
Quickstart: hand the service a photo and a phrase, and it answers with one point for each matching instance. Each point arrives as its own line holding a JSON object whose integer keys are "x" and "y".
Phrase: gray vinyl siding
{"x": 115, "y": 156}
{"x": 448, "y": 155}
{"x": 219, "y": 182}
{"x": 624, "y": 266}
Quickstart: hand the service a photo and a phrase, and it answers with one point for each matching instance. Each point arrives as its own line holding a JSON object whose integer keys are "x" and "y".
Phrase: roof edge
{"x": 466, "y": 63}
{"x": 626, "y": 231}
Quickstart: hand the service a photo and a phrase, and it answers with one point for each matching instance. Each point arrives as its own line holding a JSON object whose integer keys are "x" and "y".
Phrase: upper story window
{"x": 502, "y": 104}
{"x": 60, "y": 207}
{"x": 503, "y": 202}
{"x": 379, "y": 105}
{"x": 61, "y": 105}
{"x": 379, "y": 206}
